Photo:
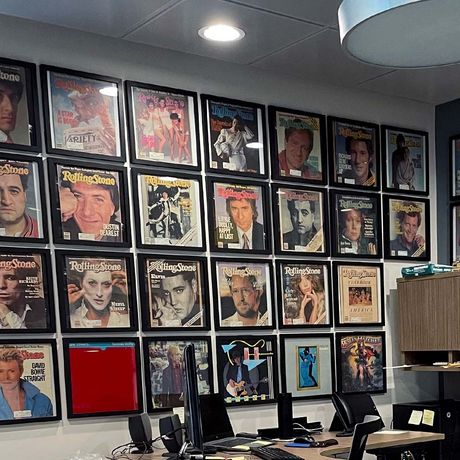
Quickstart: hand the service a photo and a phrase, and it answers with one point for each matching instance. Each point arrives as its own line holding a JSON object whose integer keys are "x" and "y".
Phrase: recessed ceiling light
{"x": 109, "y": 91}
{"x": 221, "y": 33}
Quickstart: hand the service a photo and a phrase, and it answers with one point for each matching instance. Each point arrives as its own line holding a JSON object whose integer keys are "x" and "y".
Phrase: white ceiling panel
{"x": 113, "y": 18}
{"x": 320, "y": 58}
{"x": 178, "y": 28}
{"x": 317, "y": 11}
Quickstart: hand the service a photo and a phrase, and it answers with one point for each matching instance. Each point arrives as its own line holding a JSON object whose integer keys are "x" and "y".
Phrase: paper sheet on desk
{"x": 389, "y": 432}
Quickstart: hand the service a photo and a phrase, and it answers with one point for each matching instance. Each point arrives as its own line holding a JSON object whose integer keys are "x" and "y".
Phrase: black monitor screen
{"x": 214, "y": 418}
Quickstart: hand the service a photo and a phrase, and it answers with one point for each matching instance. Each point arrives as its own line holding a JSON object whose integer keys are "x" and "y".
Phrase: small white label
{"x": 86, "y": 236}
{"x": 349, "y": 181}
{"x": 2, "y": 231}
{"x": 22, "y": 413}
{"x": 415, "y": 417}
{"x": 295, "y": 172}
{"x": 402, "y": 253}
{"x": 233, "y": 246}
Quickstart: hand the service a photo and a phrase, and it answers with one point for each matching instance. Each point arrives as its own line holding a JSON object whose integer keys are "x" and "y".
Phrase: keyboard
{"x": 274, "y": 453}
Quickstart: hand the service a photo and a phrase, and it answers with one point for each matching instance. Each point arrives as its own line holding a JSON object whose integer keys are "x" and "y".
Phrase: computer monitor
{"x": 192, "y": 414}
{"x": 350, "y": 410}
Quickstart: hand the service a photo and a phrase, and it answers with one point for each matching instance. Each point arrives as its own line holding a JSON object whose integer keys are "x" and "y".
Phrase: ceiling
{"x": 294, "y": 37}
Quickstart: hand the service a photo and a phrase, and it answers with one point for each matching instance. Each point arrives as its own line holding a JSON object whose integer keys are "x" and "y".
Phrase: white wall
{"x": 55, "y": 46}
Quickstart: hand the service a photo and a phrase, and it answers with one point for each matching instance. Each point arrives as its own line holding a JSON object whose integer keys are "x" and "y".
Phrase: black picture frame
{"x": 411, "y": 173}
{"x": 156, "y": 355}
{"x": 349, "y": 362}
{"x": 247, "y": 190}
{"x": 316, "y": 275}
{"x": 152, "y": 94}
{"x": 226, "y": 109}
{"x": 152, "y": 270}
{"x": 254, "y": 288}
{"x": 31, "y": 269}
{"x": 170, "y": 235}
{"x": 102, "y": 365}
{"x": 314, "y": 376}
{"x": 35, "y": 350}
{"x": 360, "y": 301}
{"x": 356, "y": 224}
{"x": 454, "y": 232}
{"x": 102, "y": 134}
{"x": 112, "y": 282}
{"x": 259, "y": 353}
{"x": 35, "y": 212}
{"x": 118, "y": 220}
{"x": 289, "y": 211}
{"x": 395, "y": 209}
{"x": 313, "y": 170}
{"x": 26, "y": 117}
{"x": 340, "y": 161}
{"x": 454, "y": 167}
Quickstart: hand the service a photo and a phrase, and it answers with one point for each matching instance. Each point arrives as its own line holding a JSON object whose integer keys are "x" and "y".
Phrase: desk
{"x": 375, "y": 441}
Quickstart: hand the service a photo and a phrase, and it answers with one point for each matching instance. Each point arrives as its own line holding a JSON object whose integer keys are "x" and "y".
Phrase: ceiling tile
{"x": 178, "y": 29}
{"x": 323, "y": 12}
{"x": 320, "y": 58}
{"x": 435, "y": 86}
{"x": 105, "y": 17}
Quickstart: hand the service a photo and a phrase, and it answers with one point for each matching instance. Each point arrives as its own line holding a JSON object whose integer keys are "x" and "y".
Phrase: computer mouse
{"x": 325, "y": 443}
{"x": 302, "y": 441}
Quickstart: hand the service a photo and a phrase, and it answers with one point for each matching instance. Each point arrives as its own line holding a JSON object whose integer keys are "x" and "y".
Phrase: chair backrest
{"x": 371, "y": 424}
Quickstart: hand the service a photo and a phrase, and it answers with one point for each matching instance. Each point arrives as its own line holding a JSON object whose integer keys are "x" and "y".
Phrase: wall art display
{"x": 247, "y": 369}
{"x": 29, "y": 381}
{"x": 169, "y": 210}
{"x": 356, "y": 226}
{"x": 163, "y": 126}
{"x": 360, "y": 293}
{"x": 300, "y": 215}
{"x": 234, "y": 136}
{"x": 26, "y": 298}
{"x": 238, "y": 212}
{"x": 455, "y": 232}
{"x": 96, "y": 291}
{"x": 455, "y": 166}
{"x": 22, "y": 207}
{"x": 307, "y": 365}
{"x": 163, "y": 360}
{"x": 299, "y": 139}
{"x": 304, "y": 293}
{"x": 242, "y": 293}
{"x": 407, "y": 228}
{"x": 83, "y": 114}
{"x": 355, "y": 153}
{"x": 361, "y": 362}
{"x": 89, "y": 203}
{"x": 174, "y": 292}
{"x": 114, "y": 366}
{"x": 19, "y": 123}
{"x": 405, "y": 154}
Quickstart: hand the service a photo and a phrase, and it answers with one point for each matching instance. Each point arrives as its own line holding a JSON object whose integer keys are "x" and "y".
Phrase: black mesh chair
{"x": 371, "y": 424}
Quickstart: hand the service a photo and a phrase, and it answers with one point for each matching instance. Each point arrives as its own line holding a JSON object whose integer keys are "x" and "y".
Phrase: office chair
{"x": 371, "y": 424}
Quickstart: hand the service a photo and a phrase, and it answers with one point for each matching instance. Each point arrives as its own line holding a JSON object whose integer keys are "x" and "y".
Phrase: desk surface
{"x": 375, "y": 441}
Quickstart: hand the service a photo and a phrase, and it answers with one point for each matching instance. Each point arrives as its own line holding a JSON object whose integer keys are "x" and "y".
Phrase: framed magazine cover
{"x": 234, "y": 137}
{"x": 304, "y": 294}
{"x": 163, "y": 360}
{"x": 89, "y": 203}
{"x": 354, "y": 152}
{"x": 356, "y": 226}
{"x": 407, "y": 228}
{"x": 26, "y": 295}
{"x": 174, "y": 292}
{"x": 83, "y": 114}
{"x": 32, "y": 367}
{"x": 455, "y": 167}
{"x": 455, "y": 232}
{"x": 121, "y": 395}
{"x": 299, "y": 140}
{"x": 23, "y": 209}
{"x": 361, "y": 362}
{"x": 239, "y": 219}
{"x": 243, "y": 294}
{"x": 97, "y": 291}
{"x": 168, "y": 210}
{"x": 163, "y": 126}
{"x": 301, "y": 218}
{"x": 360, "y": 294}
{"x": 307, "y": 365}
{"x": 405, "y": 160}
{"x": 20, "y": 130}
{"x": 247, "y": 369}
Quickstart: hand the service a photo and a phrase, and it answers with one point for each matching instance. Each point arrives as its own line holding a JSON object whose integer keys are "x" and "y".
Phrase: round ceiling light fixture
{"x": 401, "y": 33}
{"x": 221, "y": 33}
